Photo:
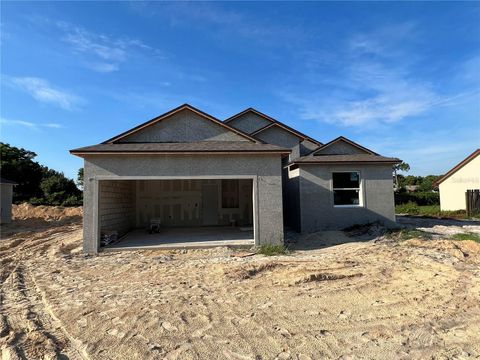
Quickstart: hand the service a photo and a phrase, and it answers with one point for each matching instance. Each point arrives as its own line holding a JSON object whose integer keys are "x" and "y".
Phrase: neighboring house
{"x": 188, "y": 169}
{"x": 412, "y": 188}
{"x": 6, "y": 195}
{"x": 454, "y": 184}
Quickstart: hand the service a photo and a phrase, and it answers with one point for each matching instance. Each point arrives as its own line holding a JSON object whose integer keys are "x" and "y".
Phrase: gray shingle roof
{"x": 187, "y": 147}
{"x": 355, "y": 158}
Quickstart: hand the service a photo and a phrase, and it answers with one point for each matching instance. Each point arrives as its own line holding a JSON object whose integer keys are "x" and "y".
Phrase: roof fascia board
{"x": 78, "y": 153}
{"x": 343, "y": 162}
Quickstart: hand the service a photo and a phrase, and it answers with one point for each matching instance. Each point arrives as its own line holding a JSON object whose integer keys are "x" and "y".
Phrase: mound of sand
{"x": 49, "y": 213}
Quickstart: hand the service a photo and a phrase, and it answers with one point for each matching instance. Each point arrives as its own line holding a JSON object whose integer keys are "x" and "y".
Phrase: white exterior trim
{"x": 361, "y": 194}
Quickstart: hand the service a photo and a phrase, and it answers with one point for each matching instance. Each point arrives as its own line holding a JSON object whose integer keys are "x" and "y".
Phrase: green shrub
{"x": 409, "y": 208}
{"x": 430, "y": 210}
{"x": 419, "y": 198}
{"x": 73, "y": 200}
{"x": 467, "y": 236}
{"x": 415, "y": 234}
{"x": 271, "y": 250}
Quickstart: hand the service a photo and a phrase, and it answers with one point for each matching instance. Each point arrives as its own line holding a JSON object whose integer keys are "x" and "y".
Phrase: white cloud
{"x": 432, "y": 153}
{"x": 41, "y": 90}
{"x": 224, "y": 22}
{"x": 106, "y": 53}
{"x": 384, "y": 41}
{"x": 368, "y": 94}
{"x": 103, "y": 67}
{"x": 29, "y": 124}
{"x": 378, "y": 83}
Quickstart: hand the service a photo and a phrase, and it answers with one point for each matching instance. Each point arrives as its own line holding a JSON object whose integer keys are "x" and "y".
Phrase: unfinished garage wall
{"x": 184, "y": 203}
{"x": 265, "y": 168}
{"x": 117, "y": 206}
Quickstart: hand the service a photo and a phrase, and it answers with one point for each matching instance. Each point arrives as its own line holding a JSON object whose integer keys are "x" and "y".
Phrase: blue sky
{"x": 400, "y": 78}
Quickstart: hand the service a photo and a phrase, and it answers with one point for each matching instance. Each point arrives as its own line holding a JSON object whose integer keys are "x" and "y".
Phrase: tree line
{"x": 419, "y": 190}
{"x": 37, "y": 184}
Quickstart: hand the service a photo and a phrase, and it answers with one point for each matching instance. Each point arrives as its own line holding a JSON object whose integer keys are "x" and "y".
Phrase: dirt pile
{"x": 28, "y": 218}
{"x": 49, "y": 213}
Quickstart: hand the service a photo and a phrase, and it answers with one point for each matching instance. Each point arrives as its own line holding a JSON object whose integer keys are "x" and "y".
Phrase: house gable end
{"x": 248, "y": 121}
{"x": 183, "y": 124}
{"x": 254, "y": 122}
{"x": 341, "y": 146}
{"x": 278, "y": 136}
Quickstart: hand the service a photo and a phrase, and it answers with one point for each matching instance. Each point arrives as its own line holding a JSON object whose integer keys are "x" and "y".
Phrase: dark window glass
{"x": 230, "y": 194}
{"x": 346, "y": 180}
{"x": 346, "y": 197}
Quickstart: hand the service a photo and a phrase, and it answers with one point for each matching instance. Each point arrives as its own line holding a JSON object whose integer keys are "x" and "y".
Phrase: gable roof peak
{"x": 344, "y": 139}
{"x": 273, "y": 122}
{"x": 170, "y": 113}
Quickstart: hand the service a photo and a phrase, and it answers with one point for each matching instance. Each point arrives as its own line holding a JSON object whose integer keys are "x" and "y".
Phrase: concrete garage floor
{"x": 175, "y": 238}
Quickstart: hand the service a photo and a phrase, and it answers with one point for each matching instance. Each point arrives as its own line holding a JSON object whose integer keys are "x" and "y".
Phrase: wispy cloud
{"x": 223, "y": 21}
{"x": 377, "y": 84}
{"x": 29, "y": 124}
{"x": 106, "y": 53}
{"x": 432, "y": 154}
{"x": 42, "y": 91}
{"x": 383, "y": 42}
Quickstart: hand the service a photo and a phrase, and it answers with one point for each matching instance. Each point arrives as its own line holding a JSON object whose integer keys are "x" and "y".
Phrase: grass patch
{"x": 467, "y": 236}
{"x": 411, "y": 208}
{"x": 271, "y": 250}
{"x": 407, "y": 234}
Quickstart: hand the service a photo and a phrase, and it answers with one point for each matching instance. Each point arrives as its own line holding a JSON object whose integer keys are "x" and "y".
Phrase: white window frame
{"x": 360, "y": 189}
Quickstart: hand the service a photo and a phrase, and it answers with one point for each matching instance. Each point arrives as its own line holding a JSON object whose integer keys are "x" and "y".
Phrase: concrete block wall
{"x": 292, "y": 210}
{"x": 117, "y": 206}
{"x": 265, "y": 168}
{"x": 6, "y": 194}
{"x": 316, "y": 197}
{"x": 180, "y": 202}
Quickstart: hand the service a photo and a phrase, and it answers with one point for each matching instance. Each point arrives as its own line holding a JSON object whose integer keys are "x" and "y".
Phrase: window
{"x": 230, "y": 196}
{"x": 346, "y": 188}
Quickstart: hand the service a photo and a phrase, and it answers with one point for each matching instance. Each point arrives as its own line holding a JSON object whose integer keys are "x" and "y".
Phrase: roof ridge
{"x": 273, "y": 122}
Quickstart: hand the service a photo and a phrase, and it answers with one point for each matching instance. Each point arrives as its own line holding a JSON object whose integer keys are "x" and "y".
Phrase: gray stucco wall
{"x": 316, "y": 197}
{"x": 291, "y": 198}
{"x": 6, "y": 193}
{"x": 117, "y": 206}
{"x": 307, "y": 147}
{"x": 249, "y": 122}
{"x": 340, "y": 148}
{"x": 280, "y": 137}
{"x": 265, "y": 169}
{"x": 185, "y": 126}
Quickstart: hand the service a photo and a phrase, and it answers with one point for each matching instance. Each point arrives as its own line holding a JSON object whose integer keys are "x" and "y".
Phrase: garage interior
{"x": 175, "y": 213}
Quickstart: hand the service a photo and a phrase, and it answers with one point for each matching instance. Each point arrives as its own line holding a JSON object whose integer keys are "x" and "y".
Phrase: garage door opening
{"x": 175, "y": 213}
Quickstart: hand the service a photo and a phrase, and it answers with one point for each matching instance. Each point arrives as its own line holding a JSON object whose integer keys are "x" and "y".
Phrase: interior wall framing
{"x": 129, "y": 203}
{"x": 181, "y": 202}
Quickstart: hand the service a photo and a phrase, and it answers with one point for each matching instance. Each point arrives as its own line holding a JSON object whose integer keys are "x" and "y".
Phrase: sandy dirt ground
{"x": 367, "y": 297}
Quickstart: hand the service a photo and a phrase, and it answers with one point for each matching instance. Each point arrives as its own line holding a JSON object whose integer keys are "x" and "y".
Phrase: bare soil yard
{"x": 377, "y": 298}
